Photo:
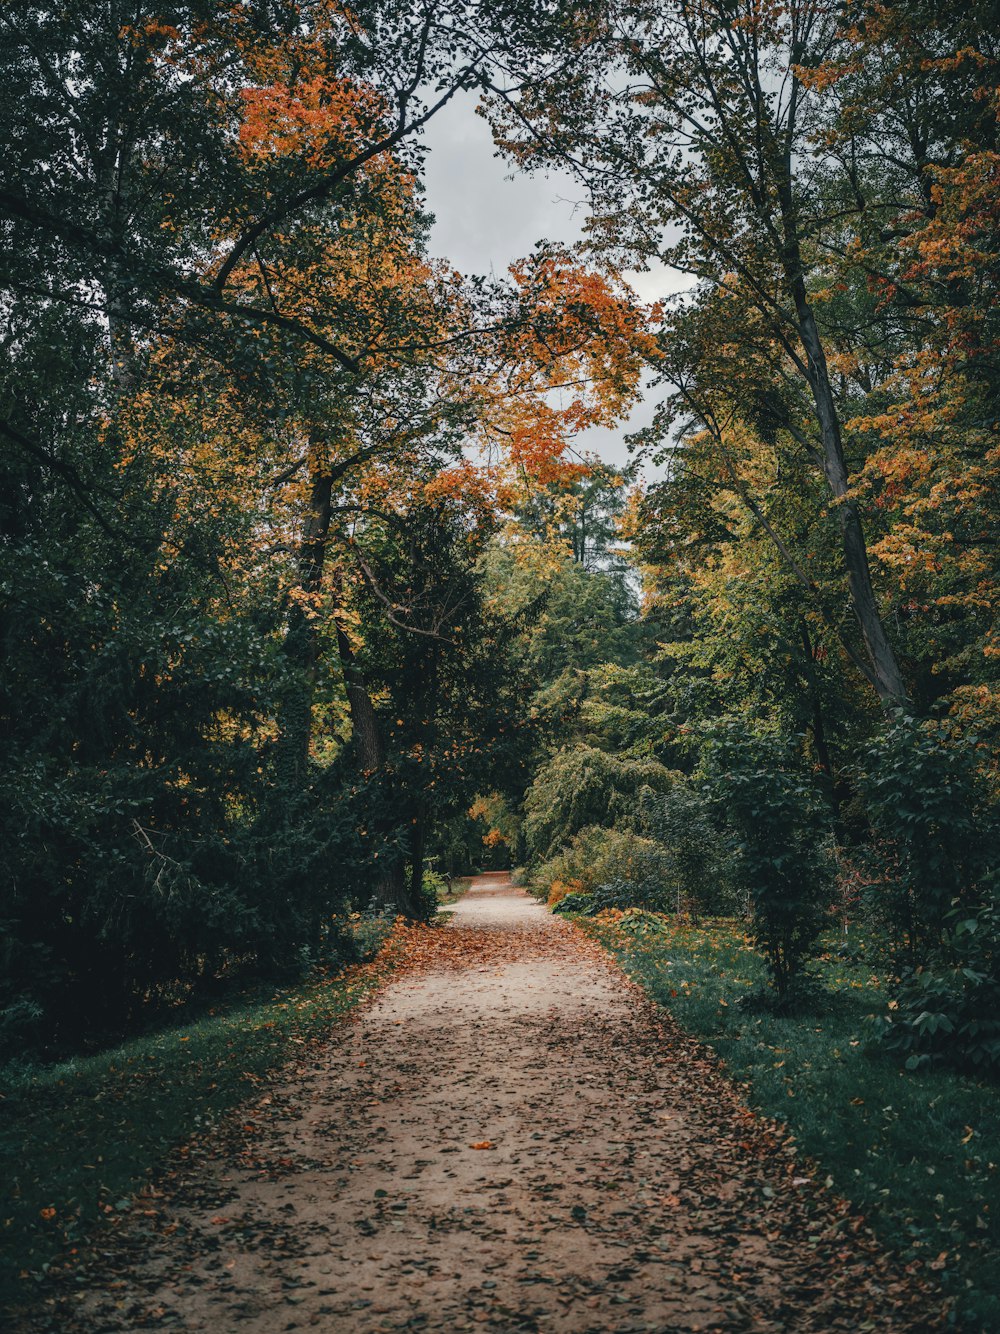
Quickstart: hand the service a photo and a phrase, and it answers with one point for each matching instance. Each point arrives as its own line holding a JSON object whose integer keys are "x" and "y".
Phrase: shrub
{"x": 581, "y": 786}
{"x": 781, "y": 840}
{"x": 698, "y": 866}
{"x": 934, "y": 887}
{"x": 617, "y": 894}
{"x": 559, "y": 889}
{"x": 596, "y": 855}
{"x": 577, "y": 903}
{"x": 936, "y": 843}
{"x": 434, "y": 888}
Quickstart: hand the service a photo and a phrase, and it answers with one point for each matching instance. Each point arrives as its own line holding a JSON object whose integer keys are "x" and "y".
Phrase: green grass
{"x": 77, "y": 1140}
{"x": 451, "y": 893}
{"x": 919, "y": 1153}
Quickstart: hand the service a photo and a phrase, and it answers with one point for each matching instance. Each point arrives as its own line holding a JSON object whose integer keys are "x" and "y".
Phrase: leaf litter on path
{"x": 627, "y": 1187}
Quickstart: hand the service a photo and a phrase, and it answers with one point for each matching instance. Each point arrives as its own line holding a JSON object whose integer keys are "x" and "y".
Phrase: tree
{"x": 701, "y": 117}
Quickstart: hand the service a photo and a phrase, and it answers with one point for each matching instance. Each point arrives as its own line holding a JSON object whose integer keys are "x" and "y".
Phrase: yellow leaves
{"x": 310, "y": 601}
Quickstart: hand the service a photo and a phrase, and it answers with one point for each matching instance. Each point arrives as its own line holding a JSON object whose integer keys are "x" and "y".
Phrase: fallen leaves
{"x": 626, "y": 1181}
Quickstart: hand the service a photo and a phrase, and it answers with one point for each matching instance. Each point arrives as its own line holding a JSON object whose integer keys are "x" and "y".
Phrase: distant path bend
{"x": 508, "y": 1137}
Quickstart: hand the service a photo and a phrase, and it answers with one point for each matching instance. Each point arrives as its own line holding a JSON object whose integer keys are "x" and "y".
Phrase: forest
{"x": 314, "y": 597}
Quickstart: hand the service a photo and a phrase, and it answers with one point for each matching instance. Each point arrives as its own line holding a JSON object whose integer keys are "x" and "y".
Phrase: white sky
{"x": 486, "y": 217}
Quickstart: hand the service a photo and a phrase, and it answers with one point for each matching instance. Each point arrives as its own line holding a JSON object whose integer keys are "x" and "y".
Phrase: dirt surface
{"x": 508, "y": 1136}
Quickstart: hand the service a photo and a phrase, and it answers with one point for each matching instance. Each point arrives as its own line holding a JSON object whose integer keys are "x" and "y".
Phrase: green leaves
{"x": 782, "y": 838}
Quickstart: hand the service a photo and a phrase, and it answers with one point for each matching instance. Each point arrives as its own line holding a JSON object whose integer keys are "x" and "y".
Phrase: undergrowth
{"x": 918, "y": 1152}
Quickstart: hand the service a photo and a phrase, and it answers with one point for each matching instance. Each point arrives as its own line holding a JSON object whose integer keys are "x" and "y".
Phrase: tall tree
{"x": 695, "y": 126}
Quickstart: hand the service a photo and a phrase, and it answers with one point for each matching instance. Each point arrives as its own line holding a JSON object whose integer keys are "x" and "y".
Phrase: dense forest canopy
{"x": 310, "y": 591}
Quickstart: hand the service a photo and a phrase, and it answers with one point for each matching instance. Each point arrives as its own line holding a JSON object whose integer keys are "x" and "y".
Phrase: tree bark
{"x": 391, "y": 889}
{"x": 300, "y": 639}
{"x": 885, "y": 676}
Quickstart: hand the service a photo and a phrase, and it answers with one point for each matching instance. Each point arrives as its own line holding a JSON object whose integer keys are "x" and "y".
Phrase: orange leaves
{"x": 560, "y": 888}
{"x": 570, "y": 358}
{"x": 483, "y": 1144}
{"x": 584, "y": 329}
{"x": 321, "y": 120}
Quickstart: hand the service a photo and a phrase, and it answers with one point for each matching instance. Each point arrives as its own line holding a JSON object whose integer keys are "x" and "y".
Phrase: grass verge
{"x": 918, "y": 1153}
{"x": 452, "y": 890}
{"x": 78, "y": 1139}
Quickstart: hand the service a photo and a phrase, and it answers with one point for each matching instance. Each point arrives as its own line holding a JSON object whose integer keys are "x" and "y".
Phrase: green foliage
{"x": 581, "y": 786}
{"x": 699, "y": 872}
{"x": 577, "y": 618}
{"x": 597, "y": 854}
{"x": 646, "y": 895}
{"x": 434, "y": 890}
{"x": 782, "y": 837}
{"x": 947, "y": 1009}
{"x": 936, "y": 844}
{"x": 452, "y": 703}
{"x": 610, "y": 706}
{"x": 934, "y": 889}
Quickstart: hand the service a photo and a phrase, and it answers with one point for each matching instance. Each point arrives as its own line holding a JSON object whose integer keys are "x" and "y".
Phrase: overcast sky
{"x": 486, "y": 217}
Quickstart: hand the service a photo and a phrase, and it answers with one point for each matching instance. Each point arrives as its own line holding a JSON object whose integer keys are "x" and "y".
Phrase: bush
{"x": 433, "y": 889}
{"x": 698, "y": 866}
{"x": 934, "y": 886}
{"x": 947, "y": 1011}
{"x": 617, "y": 895}
{"x": 366, "y": 932}
{"x": 581, "y": 786}
{"x": 575, "y": 902}
{"x": 596, "y": 856}
{"x": 782, "y": 843}
{"x": 936, "y": 842}
{"x": 559, "y": 889}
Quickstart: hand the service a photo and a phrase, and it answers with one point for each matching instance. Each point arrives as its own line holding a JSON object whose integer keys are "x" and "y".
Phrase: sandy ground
{"x": 508, "y": 1137}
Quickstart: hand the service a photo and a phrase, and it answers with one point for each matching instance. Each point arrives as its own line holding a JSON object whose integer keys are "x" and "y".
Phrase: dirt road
{"x": 508, "y": 1137}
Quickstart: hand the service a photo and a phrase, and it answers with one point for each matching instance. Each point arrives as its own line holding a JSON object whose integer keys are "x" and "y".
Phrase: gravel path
{"x": 508, "y": 1137}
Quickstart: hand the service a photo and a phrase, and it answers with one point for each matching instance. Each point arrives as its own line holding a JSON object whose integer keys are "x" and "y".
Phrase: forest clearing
{"x": 545, "y": 439}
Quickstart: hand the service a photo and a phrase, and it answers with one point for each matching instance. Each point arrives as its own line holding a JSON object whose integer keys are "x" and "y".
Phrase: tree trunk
{"x": 300, "y": 639}
{"x": 364, "y": 724}
{"x": 839, "y": 792}
{"x": 417, "y": 863}
{"x": 390, "y": 889}
{"x": 885, "y": 675}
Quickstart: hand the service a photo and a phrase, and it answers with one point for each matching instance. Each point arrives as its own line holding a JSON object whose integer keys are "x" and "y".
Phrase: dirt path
{"x": 508, "y": 1137}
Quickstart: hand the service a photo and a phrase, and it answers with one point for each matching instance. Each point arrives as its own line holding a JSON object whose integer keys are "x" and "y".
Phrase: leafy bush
{"x": 581, "y": 786}
{"x": 596, "y": 855}
{"x": 934, "y": 872}
{"x": 560, "y": 889}
{"x": 936, "y": 840}
{"x": 781, "y": 840}
{"x": 649, "y": 896}
{"x": 576, "y": 903}
{"x": 120, "y": 899}
{"x": 698, "y": 865}
{"x": 433, "y": 889}
{"x": 367, "y": 932}
{"x": 948, "y": 1009}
